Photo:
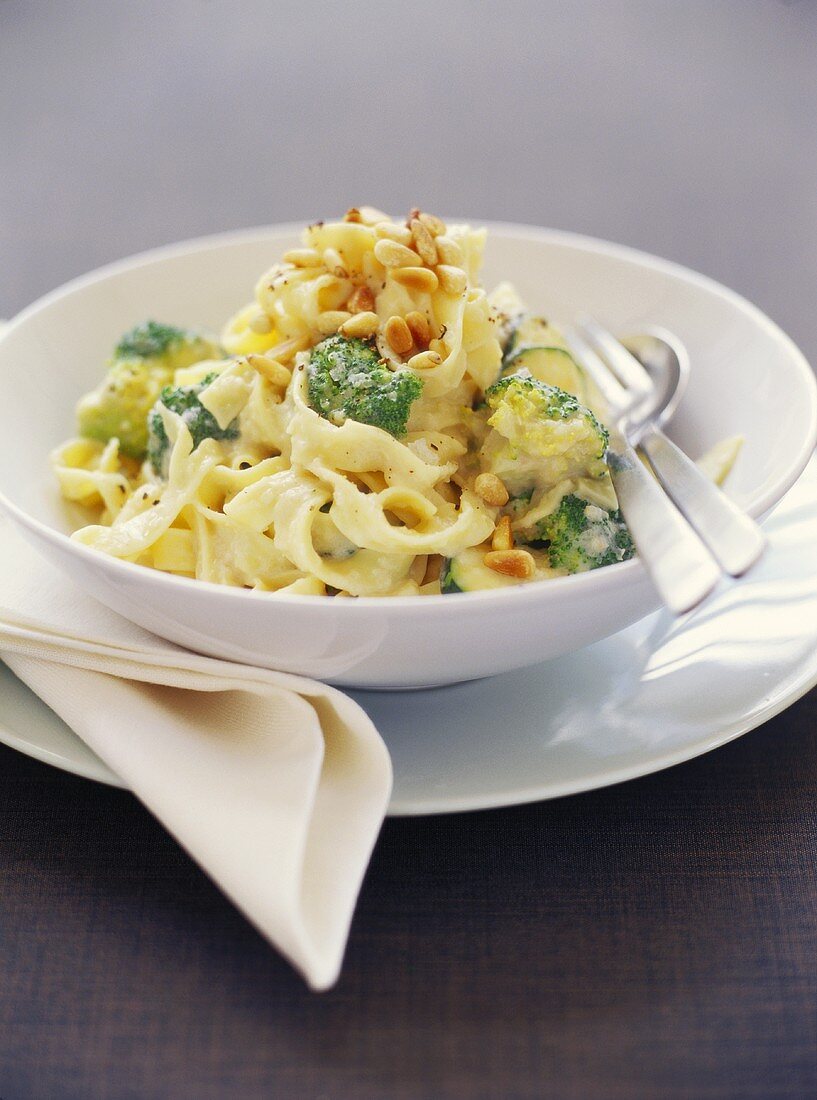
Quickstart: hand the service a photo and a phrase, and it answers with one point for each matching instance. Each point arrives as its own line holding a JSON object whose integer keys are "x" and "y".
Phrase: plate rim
{"x": 708, "y": 744}
{"x": 97, "y": 771}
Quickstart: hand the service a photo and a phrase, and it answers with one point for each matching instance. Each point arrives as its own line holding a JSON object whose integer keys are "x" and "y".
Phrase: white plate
{"x": 656, "y": 694}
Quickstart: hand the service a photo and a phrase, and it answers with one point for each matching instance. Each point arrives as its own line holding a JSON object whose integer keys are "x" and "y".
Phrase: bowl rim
{"x": 600, "y": 579}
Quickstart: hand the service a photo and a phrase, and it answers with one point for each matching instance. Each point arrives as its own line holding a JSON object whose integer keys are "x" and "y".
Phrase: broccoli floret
{"x": 531, "y": 402}
{"x": 144, "y": 361}
{"x": 184, "y": 400}
{"x": 148, "y": 340}
{"x": 347, "y": 380}
{"x": 581, "y": 536}
{"x": 120, "y": 406}
{"x": 541, "y": 436}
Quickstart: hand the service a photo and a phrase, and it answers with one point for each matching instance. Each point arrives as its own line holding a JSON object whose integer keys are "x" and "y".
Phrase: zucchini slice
{"x": 553, "y": 365}
{"x": 466, "y": 572}
{"x": 529, "y": 331}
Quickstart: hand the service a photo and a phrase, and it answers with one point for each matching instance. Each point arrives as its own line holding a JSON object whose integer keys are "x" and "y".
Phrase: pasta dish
{"x": 374, "y": 423}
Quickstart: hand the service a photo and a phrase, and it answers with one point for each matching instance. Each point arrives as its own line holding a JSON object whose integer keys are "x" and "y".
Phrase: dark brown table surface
{"x": 657, "y": 939}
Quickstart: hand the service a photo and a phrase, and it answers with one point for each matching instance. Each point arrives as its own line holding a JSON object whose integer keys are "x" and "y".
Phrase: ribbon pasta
{"x": 292, "y": 501}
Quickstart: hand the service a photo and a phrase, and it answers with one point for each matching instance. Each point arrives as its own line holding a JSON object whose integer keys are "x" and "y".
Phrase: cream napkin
{"x": 276, "y": 785}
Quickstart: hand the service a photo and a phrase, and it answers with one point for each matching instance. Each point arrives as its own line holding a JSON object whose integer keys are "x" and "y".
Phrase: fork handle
{"x": 681, "y": 567}
{"x": 734, "y": 539}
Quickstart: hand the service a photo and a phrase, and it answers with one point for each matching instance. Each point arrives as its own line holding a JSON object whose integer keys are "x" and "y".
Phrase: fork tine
{"x": 613, "y": 392}
{"x": 623, "y": 364}
{"x": 731, "y": 537}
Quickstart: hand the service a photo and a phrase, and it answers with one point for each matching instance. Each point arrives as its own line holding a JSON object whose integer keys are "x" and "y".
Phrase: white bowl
{"x": 747, "y": 378}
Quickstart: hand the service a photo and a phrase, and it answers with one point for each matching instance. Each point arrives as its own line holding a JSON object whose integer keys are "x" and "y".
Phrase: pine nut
{"x": 424, "y": 242}
{"x": 398, "y": 335}
{"x": 393, "y": 232}
{"x": 511, "y": 563}
{"x": 361, "y": 326}
{"x": 370, "y": 215}
{"x": 271, "y": 369}
{"x": 392, "y": 254}
{"x": 419, "y": 326}
{"x": 452, "y": 279}
{"x": 352, "y": 215}
{"x": 261, "y": 324}
{"x": 438, "y": 346}
{"x": 333, "y": 261}
{"x": 287, "y": 348}
{"x": 416, "y": 278}
{"x": 502, "y": 538}
{"x": 361, "y": 300}
{"x": 433, "y": 224}
{"x": 331, "y": 319}
{"x": 449, "y": 251}
{"x": 303, "y": 257}
{"x": 491, "y": 489}
{"x": 424, "y": 360}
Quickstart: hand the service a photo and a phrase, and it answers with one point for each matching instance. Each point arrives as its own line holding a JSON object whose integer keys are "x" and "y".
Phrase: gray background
{"x": 685, "y": 128}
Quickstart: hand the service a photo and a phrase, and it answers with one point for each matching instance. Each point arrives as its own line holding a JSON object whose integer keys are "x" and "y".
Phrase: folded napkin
{"x": 276, "y": 785}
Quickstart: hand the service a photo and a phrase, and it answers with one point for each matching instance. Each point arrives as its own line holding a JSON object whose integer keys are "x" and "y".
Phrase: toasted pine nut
{"x": 511, "y": 563}
{"x": 361, "y": 326}
{"x": 393, "y": 232}
{"x": 370, "y": 215}
{"x": 333, "y": 261}
{"x": 393, "y": 254}
{"x": 433, "y": 224}
{"x": 419, "y": 326}
{"x": 352, "y": 215}
{"x": 271, "y": 369}
{"x": 261, "y": 324}
{"x": 424, "y": 360}
{"x": 287, "y": 348}
{"x": 416, "y": 278}
{"x": 449, "y": 251}
{"x": 303, "y": 257}
{"x": 502, "y": 538}
{"x": 452, "y": 279}
{"x": 361, "y": 300}
{"x": 331, "y": 319}
{"x": 424, "y": 242}
{"x": 398, "y": 335}
{"x": 491, "y": 489}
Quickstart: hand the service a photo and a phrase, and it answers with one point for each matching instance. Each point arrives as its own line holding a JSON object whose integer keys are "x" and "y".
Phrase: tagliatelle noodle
{"x": 293, "y": 502}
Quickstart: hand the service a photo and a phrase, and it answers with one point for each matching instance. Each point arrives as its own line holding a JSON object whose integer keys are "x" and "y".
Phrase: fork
{"x": 684, "y": 547}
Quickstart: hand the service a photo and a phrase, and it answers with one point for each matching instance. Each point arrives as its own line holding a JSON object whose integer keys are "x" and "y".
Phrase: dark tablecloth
{"x": 655, "y": 939}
